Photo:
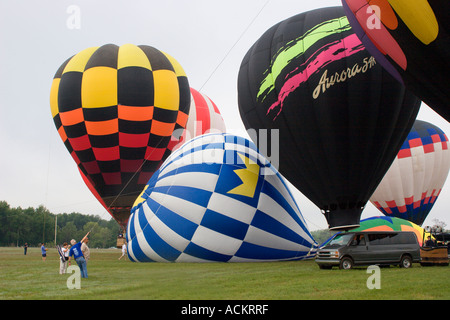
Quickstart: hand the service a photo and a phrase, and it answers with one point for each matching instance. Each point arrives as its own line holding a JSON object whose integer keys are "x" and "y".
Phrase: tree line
{"x": 37, "y": 225}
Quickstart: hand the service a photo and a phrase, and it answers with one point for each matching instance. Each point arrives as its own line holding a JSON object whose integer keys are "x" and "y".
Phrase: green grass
{"x": 28, "y": 277}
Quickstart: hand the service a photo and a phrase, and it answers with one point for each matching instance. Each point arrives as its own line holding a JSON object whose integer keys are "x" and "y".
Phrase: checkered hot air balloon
{"x": 217, "y": 199}
{"x": 415, "y": 179}
{"x": 115, "y": 109}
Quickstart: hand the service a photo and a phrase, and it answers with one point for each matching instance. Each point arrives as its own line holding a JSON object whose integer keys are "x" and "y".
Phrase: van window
{"x": 358, "y": 240}
{"x": 341, "y": 239}
{"x": 406, "y": 238}
{"x": 391, "y": 238}
{"x": 380, "y": 239}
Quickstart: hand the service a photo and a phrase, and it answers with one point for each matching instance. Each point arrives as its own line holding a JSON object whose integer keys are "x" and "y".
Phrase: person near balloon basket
{"x": 124, "y": 251}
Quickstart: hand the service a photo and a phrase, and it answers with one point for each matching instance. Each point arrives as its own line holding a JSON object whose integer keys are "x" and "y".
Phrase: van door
{"x": 381, "y": 248}
{"x": 357, "y": 249}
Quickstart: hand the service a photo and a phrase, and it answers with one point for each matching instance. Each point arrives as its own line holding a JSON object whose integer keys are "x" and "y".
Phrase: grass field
{"x": 28, "y": 277}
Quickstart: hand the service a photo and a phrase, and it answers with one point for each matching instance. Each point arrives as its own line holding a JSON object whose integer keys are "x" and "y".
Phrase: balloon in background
{"x": 415, "y": 179}
{"x": 392, "y": 224}
{"x": 115, "y": 109}
{"x": 411, "y": 39}
{"x": 341, "y": 117}
{"x": 204, "y": 117}
{"x": 216, "y": 199}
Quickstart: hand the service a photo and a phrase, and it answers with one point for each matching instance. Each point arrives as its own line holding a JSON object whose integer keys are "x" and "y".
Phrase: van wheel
{"x": 346, "y": 263}
{"x": 406, "y": 262}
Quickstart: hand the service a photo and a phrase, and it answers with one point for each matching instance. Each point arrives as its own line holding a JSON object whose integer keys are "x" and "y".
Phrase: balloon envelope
{"x": 217, "y": 199}
{"x": 341, "y": 117}
{"x": 115, "y": 109}
{"x": 204, "y": 117}
{"x": 416, "y": 177}
{"x": 411, "y": 39}
{"x": 392, "y": 224}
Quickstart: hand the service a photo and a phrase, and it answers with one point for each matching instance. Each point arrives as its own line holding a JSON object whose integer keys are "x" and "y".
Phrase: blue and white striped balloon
{"x": 217, "y": 199}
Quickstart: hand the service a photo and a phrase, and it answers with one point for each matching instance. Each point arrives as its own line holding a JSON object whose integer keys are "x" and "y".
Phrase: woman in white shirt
{"x": 124, "y": 250}
{"x": 63, "y": 262}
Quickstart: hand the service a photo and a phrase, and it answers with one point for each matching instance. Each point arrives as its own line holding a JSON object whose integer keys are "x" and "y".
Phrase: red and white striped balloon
{"x": 415, "y": 179}
{"x": 204, "y": 117}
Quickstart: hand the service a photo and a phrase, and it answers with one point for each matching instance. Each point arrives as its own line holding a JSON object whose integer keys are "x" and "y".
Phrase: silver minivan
{"x": 367, "y": 248}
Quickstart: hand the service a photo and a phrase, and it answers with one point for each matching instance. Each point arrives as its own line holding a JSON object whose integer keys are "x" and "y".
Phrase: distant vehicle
{"x": 367, "y": 248}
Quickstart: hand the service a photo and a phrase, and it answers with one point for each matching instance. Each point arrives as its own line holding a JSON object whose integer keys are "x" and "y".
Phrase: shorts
{"x": 44, "y": 255}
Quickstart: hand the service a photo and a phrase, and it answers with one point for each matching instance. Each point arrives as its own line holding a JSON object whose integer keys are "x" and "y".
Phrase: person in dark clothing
{"x": 429, "y": 242}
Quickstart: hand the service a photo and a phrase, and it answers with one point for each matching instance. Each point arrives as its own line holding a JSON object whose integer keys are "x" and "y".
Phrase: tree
{"x": 322, "y": 235}
{"x": 34, "y": 226}
{"x": 67, "y": 233}
{"x": 439, "y": 225}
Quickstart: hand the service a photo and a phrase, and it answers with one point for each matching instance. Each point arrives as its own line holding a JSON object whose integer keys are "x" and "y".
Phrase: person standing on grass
{"x": 85, "y": 250}
{"x": 44, "y": 252}
{"x": 76, "y": 252}
{"x": 124, "y": 250}
{"x": 64, "y": 258}
{"x": 25, "y": 248}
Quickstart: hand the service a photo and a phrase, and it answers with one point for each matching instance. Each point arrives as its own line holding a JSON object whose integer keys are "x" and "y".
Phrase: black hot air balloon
{"x": 341, "y": 117}
{"x": 411, "y": 39}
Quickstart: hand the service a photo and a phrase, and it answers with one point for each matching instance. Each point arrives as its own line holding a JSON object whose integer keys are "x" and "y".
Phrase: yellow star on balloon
{"x": 249, "y": 177}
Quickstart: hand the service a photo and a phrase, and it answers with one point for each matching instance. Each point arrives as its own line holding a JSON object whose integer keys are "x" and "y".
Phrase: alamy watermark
{"x": 374, "y": 20}
{"x": 74, "y": 280}
{"x": 267, "y": 142}
{"x": 74, "y": 19}
{"x": 374, "y": 280}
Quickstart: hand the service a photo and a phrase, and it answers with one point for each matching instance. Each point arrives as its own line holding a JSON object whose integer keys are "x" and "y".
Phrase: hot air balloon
{"x": 389, "y": 224}
{"x": 115, "y": 109}
{"x": 392, "y": 224}
{"x": 415, "y": 179}
{"x": 217, "y": 199}
{"x": 411, "y": 39}
{"x": 204, "y": 117}
{"x": 341, "y": 117}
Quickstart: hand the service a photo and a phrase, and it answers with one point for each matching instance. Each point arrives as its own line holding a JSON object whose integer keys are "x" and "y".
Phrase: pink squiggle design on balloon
{"x": 327, "y": 54}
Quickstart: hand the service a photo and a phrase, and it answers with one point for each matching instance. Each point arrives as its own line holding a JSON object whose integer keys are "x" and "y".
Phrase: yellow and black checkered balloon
{"x": 116, "y": 109}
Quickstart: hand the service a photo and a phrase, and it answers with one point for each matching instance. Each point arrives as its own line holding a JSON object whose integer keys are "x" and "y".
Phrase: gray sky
{"x": 38, "y": 36}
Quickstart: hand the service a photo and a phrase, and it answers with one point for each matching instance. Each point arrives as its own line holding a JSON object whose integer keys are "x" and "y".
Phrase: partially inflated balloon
{"x": 415, "y": 179}
{"x": 341, "y": 117}
{"x": 204, "y": 117}
{"x": 217, "y": 199}
{"x": 411, "y": 39}
{"x": 115, "y": 109}
{"x": 392, "y": 224}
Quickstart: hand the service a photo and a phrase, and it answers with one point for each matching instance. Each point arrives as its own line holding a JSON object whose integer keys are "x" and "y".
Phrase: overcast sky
{"x": 209, "y": 38}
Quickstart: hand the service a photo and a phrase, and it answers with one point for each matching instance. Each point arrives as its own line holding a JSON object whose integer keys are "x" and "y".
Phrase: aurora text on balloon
{"x": 327, "y": 54}
{"x": 326, "y": 82}
{"x": 331, "y": 145}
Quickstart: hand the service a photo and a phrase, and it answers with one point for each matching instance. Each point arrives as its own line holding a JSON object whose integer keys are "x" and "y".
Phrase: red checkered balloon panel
{"x": 115, "y": 109}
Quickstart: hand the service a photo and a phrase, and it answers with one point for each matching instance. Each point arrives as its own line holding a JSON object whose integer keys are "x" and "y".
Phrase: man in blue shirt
{"x": 76, "y": 252}
{"x": 43, "y": 251}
